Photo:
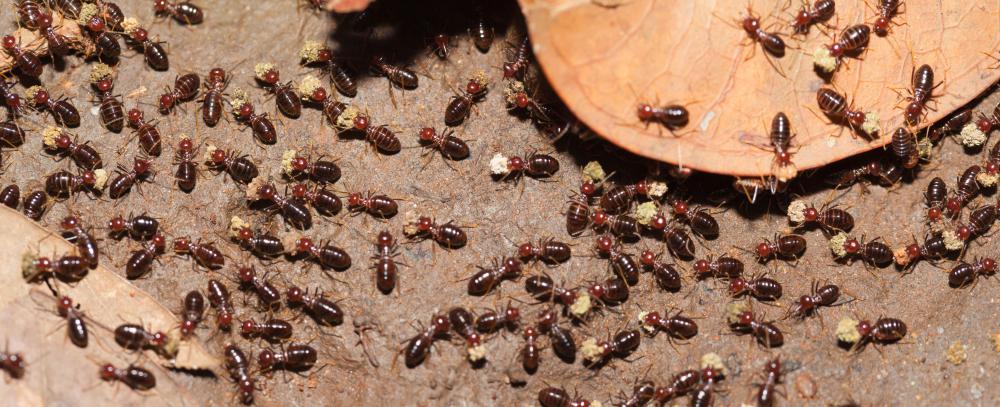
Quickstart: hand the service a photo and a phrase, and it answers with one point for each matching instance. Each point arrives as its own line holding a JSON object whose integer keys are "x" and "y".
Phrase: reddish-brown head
{"x": 140, "y": 35}
{"x": 644, "y": 111}
{"x": 427, "y": 134}
{"x": 385, "y": 239}
{"x": 41, "y": 97}
{"x": 108, "y": 372}
{"x": 852, "y": 246}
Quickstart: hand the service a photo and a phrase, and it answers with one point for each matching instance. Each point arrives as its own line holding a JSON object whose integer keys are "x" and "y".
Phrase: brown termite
{"x": 666, "y": 275}
{"x": 286, "y": 96}
{"x": 419, "y": 346}
{"x": 830, "y": 219}
{"x": 448, "y": 235}
{"x": 322, "y": 200}
{"x": 964, "y": 274}
{"x": 770, "y": 42}
{"x": 440, "y": 44}
{"x": 122, "y": 183}
{"x": 112, "y": 113}
{"x": 953, "y": 124}
{"x": 612, "y": 291}
{"x": 679, "y": 385}
{"x": 183, "y": 12}
{"x": 883, "y": 173}
{"x": 482, "y": 34}
{"x": 273, "y": 329}
{"x": 204, "y": 254}
{"x": 132, "y": 376}
{"x": 263, "y": 130}
{"x": 152, "y": 51}
{"x": 11, "y": 99}
{"x": 766, "y": 333}
{"x": 193, "y": 310}
{"x": 212, "y": 104}
{"x": 935, "y": 197}
{"x": 492, "y": 321}
{"x": 61, "y": 109}
{"x": 238, "y": 365}
{"x": 83, "y": 154}
{"x": 26, "y": 61}
{"x": 724, "y": 267}
{"x": 560, "y": 338}
{"x": 883, "y": 331}
{"x": 487, "y": 278}
{"x": 218, "y": 297}
{"x": 700, "y": 220}
{"x": 542, "y": 288}
{"x": 904, "y": 147}
{"x": 29, "y": 13}
{"x": 772, "y": 378}
{"x": 11, "y": 133}
{"x": 67, "y": 268}
{"x": 267, "y": 294}
{"x": 835, "y": 106}
{"x": 783, "y": 246}
{"x": 320, "y": 171}
{"x": 294, "y": 212}
{"x": 676, "y": 326}
{"x": 622, "y": 226}
{"x": 10, "y": 196}
{"x": 825, "y": 296}
{"x": 966, "y": 189}
{"x": 932, "y": 249}
{"x": 704, "y": 395}
{"x": 327, "y": 255}
{"x": 536, "y": 166}
{"x": 140, "y": 262}
{"x": 149, "y": 136}
{"x": 260, "y": 244}
{"x": 294, "y": 357}
{"x": 556, "y": 397}
{"x": 821, "y": 12}
{"x": 376, "y": 205}
{"x": 112, "y": 14}
{"x": 185, "y": 89}
{"x": 451, "y": 147}
{"x": 623, "y": 264}
{"x": 852, "y": 39}
{"x": 324, "y": 311}
{"x": 981, "y": 220}
{"x": 530, "y": 352}
{"x": 379, "y": 137}
{"x": 13, "y": 363}
{"x": 887, "y": 9}
{"x": 63, "y": 184}
{"x": 761, "y": 288}
{"x": 642, "y": 393}
{"x": 340, "y": 77}
{"x": 239, "y": 167}
{"x": 58, "y": 44}
{"x": 518, "y": 61}
{"x": 547, "y": 250}
{"x": 86, "y": 245}
{"x": 462, "y": 322}
{"x": 385, "y": 267}
{"x": 35, "y": 204}
{"x": 922, "y": 93}
{"x": 872, "y": 252}
{"x": 135, "y": 337}
{"x": 140, "y": 227}
{"x": 577, "y": 216}
{"x": 621, "y": 345}
{"x": 461, "y": 104}
{"x": 76, "y": 327}
{"x": 678, "y": 241}
{"x": 187, "y": 166}
{"x": 618, "y": 199}
{"x": 105, "y": 41}
{"x": 400, "y": 77}
{"x": 670, "y": 116}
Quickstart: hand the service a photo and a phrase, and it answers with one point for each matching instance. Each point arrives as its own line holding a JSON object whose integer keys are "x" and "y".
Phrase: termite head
{"x": 658, "y": 222}
{"x": 530, "y": 333}
{"x": 836, "y": 50}
{"x": 702, "y": 266}
{"x": 604, "y": 244}
{"x": 473, "y": 340}
{"x": 108, "y": 372}
{"x": 159, "y": 242}
{"x": 513, "y": 314}
{"x": 15, "y": 365}
{"x": 246, "y": 274}
{"x": 474, "y": 87}
{"x": 526, "y": 250}
{"x": 160, "y": 6}
{"x": 295, "y": 295}
{"x": 852, "y": 246}
{"x": 509, "y": 70}
{"x": 864, "y": 328}
{"x": 647, "y": 257}
{"x": 95, "y": 24}
{"x": 265, "y": 359}
{"x": 63, "y": 141}
{"x": 185, "y": 145}
{"x": 680, "y": 206}
{"x": 806, "y": 303}
{"x": 187, "y": 328}
{"x": 773, "y": 367}
{"x": 427, "y": 134}
{"x": 783, "y": 158}
{"x": 751, "y": 24}
{"x": 992, "y": 168}
{"x": 140, "y": 166}
{"x": 224, "y": 319}
{"x": 745, "y": 318}
{"x": 69, "y": 222}
{"x": 166, "y": 102}
{"x": 424, "y": 223}
{"x": 764, "y": 249}
{"x": 304, "y": 244}
{"x": 135, "y": 117}
{"x": 440, "y": 324}
{"x": 216, "y": 75}
{"x": 246, "y": 110}
{"x": 988, "y": 265}
{"x": 300, "y": 190}
{"x": 41, "y": 97}
{"x": 547, "y": 318}
{"x": 953, "y": 205}
{"x": 139, "y": 34}
{"x": 856, "y": 118}
{"x": 963, "y": 232}
{"x": 13, "y": 101}
{"x": 984, "y": 125}
{"x": 266, "y": 192}
{"x": 182, "y": 245}
{"x": 881, "y": 26}
{"x": 354, "y": 199}
{"x": 737, "y": 286}
{"x": 361, "y": 122}
{"x": 810, "y": 214}
{"x": 802, "y": 20}
{"x": 596, "y": 290}
{"x": 521, "y": 100}
{"x": 934, "y": 214}
{"x": 913, "y": 251}
{"x": 159, "y": 339}
{"x": 324, "y": 55}
{"x": 105, "y": 85}
{"x": 44, "y": 21}
{"x": 248, "y": 327}
{"x": 515, "y": 163}
{"x": 651, "y": 318}
{"x": 645, "y": 111}
{"x": 588, "y": 188}
{"x": 599, "y": 218}
{"x": 385, "y": 239}
{"x": 511, "y": 265}
{"x": 65, "y": 303}
{"x": 247, "y": 388}
{"x": 913, "y": 111}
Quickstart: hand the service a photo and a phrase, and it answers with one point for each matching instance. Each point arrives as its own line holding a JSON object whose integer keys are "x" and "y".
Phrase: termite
{"x": 61, "y": 109}
{"x": 185, "y": 89}
{"x": 451, "y": 147}
{"x": 146, "y": 131}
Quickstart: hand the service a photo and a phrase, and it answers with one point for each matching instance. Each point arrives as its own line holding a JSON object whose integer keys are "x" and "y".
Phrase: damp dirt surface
{"x": 498, "y": 216}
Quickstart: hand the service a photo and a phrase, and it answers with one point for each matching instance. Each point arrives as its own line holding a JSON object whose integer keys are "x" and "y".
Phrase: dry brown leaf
{"x": 104, "y": 295}
{"x": 604, "y": 60}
